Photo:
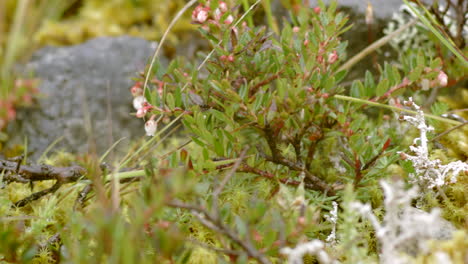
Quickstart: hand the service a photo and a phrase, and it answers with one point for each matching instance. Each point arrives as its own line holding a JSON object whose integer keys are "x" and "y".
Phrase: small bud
{"x": 230, "y": 58}
{"x": 229, "y": 20}
{"x": 332, "y": 57}
{"x": 200, "y": 14}
{"x": 320, "y": 59}
{"x": 306, "y": 42}
{"x": 442, "y": 78}
{"x": 223, "y": 57}
{"x": 223, "y": 6}
{"x": 141, "y": 112}
{"x": 325, "y": 95}
{"x": 150, "y": 127}
{"x": 296, "y": 29}
{"x": 217, "y": 14}
{"x": 301, "y": 221}
{"x": 317, "y": 10}
{"x": 138, "y": 102}
{"x": 195, "y": 12}
{"x": 136, "y": 89}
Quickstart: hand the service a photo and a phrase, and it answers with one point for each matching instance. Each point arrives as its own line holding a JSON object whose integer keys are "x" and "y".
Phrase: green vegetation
{"x": 277, "y": 160}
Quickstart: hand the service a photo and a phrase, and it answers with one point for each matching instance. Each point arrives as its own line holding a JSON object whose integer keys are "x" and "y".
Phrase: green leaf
{"x": 178, "y": 97}
{"x": 340, "y": 76}
{"x": 369, "y": 82}
{"x": 382, "y": 87}
{"x": 170, "y": 101}
{"x": 357, "y": 89}
{"x": 240, "y": 226}
{"x": 416, "y": 73}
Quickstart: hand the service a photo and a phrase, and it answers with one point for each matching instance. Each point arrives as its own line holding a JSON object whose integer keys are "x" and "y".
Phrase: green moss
{"x": 202, "y": 256}
{"x": 456, "y": 250}
{"x": 143, "y": 18}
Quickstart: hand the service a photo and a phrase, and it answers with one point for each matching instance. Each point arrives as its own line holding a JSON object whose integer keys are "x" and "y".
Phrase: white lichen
{"x": 314, "y": 247}
{"x": 428, "y": 173}
{"x": 404, "y": 230}
{"x": 333, "y": 219}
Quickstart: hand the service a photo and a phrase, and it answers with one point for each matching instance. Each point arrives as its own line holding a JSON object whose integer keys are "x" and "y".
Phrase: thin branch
{"x": 212, "y": 222}
{"x": 29, "y": 173}
{"x": 318, "y": 183}
{"x": 376, "y": 45}
{"x": 80, "y": 199}
{"x": 248, "y": 169}
{"x": 448, "y": 131}
{"x": 225, "y": 180}
{"x": 37, "y": 195}
{"x": 228, "y": 176}
{"x": 161, "y": 42}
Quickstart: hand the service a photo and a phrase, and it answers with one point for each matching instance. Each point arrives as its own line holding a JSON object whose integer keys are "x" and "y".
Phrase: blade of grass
{"x": 371, "y": 48}
{"x": 44, "y": 154}
{"x": 13, "y": 44}
{"x": 362, "y": 101}
{"x": 437, "y": 33}
{"x": 148, "y": 143}
{"x": 110, "y": 149}
{"x": 163, "y": 39}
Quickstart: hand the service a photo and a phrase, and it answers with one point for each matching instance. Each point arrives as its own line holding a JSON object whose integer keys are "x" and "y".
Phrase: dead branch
{"x": 217, "y": 225}
{"x": 13, "y": 171}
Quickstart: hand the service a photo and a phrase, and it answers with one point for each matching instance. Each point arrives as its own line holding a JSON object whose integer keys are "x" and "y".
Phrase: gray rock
{"x": 85, "y": 96}
{"x": 382, "y": 8}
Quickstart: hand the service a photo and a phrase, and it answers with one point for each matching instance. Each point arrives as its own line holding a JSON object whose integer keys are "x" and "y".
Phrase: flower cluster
{"x": 202, "y": 13}
{"x": 143, "y": 107}
{"x": 428, "y": 173}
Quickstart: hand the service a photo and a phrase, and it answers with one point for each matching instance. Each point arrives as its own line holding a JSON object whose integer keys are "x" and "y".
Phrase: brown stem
{"x": 216, "y": 224}
{"x": 268, "y": 80}
{"x": 37, "y": 195}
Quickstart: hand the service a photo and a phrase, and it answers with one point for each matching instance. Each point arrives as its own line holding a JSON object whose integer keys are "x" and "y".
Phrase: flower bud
{"x": 296, "y": 29}
{"x": 217, "y": 14}
{"x": 301, "y": 221}
{"x": 150, "y": 127}
{"x": 332, "y": 57}
{"x": 442, "y": 78}
{"x": 317, "y": 10}
{"x": 138, "y": 102}
{"x": 223, "y": 6}
{"x": 229, "y": 20}
{"x": 200, "y": 14}
{"x": 141, "y": 112}
{"x": 136, "y": 91}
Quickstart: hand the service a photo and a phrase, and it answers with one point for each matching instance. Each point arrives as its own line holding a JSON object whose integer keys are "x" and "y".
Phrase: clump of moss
{"x": 142, "y": 18}
{"x": 455, "y": 250}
